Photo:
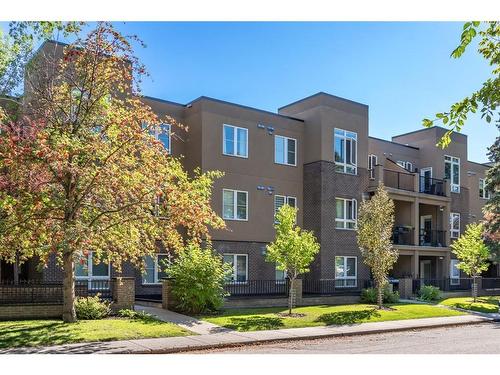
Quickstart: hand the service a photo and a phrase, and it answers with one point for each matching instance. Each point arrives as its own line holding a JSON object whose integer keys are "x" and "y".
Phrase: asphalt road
{"x": 472, "y": 339}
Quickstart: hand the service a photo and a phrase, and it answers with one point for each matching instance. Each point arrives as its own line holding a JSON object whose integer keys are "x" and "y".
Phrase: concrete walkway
{"x": 191, "y": 324}
{"x": 232, "y": 338}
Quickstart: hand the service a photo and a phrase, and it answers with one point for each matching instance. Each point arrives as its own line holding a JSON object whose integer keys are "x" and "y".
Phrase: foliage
{"x": 91, "y": 308}
{"x": 374, "y": 233}
{"x": 483, "y": 304}
{"x": 429, "y": 293}
{"x": 492, "y": 208}
{"x": 82, "y": 172}
{"x": 370, "y": 295}
{"x": 54, "y": 332}
{"x": 487, "y": 98}
{"x": 265, "y": 318}
{"x": 198, "y": 277}
{"x": 293, "y": 249}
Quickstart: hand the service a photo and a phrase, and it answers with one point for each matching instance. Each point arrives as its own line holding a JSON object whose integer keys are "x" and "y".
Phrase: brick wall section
{"x": 30, "y": 311}
{"x": 321, "y": 186}
{"x": 460, "y": 204}
{"x": 123, "y": 293}
{"x": 258, "y": 268}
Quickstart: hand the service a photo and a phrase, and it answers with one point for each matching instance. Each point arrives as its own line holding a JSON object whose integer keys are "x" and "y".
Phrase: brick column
{"x": 168, "y": 301}
{"x": 406, "y": 287}
{"x": 123, "y": 291}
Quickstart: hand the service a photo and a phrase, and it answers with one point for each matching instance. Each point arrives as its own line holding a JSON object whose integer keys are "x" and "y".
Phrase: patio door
{"x": 426, "y": 179}
{"x": 425, "y": 269}
{"x": 425, "y": 230}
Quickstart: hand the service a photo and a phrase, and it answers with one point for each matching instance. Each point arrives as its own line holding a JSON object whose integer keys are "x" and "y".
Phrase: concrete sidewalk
{"x": 232, "y": 338}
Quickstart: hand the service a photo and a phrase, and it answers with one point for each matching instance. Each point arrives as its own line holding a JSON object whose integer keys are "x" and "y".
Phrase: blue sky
{"x": 403, "y": 71}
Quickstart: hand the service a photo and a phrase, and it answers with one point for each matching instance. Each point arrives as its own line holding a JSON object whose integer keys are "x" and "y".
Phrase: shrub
{"x": 136, "y": 315}
{"x": 199, "y": 276}
{"x": 429, "y": 293}
{"x": 92, "y": 308}
{"x": 369, "y": 295}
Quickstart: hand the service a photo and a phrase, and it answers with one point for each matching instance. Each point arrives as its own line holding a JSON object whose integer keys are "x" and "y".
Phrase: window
{"x": 235, "y": 205}
{"x": 345, "y": 151}
{"x": 406, "y": 165}
{"x": 280, "y": 276}
{"x": 454, "y": 272}
{"x": 483, "y": 192}
{"x": 155, "y": 268}
{"x": 452, "y": 172}
{"x": 345, "y": 213}
{"x": 90, "y": 268}
{"x": 239, "y": 264}
{"x": 235, "y": 142}
{"x": 280, "y": 200}
{"x": 454, "y": 225}
{"x": 372, "y": 162}
{"x": 163, "y": 134}
{"x": 285, "y": 150}
{"x": 345, "y": 271}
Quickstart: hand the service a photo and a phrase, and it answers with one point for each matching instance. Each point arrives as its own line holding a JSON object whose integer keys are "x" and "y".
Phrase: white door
{"x": 425, "y": 235}
{"x": 426, "y": 179}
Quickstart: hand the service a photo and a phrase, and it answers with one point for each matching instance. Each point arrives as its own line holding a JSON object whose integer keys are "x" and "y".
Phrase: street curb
{"x": 301, "y": 338}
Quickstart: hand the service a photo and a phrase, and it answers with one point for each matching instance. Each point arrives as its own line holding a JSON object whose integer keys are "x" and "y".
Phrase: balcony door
{"x": 426, "y": 180}
{"x": 425, "y": 269}
{"x": 425, "y": 230}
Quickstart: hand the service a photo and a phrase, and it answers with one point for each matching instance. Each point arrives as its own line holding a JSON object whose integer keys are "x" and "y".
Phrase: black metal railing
{"x": 445, "y": 285}
{"x": 257, "y": 288}
{"x": 399, "y": 180}
{"x": 434, "y": 186}
{"x": 435, "y": 238}
{"x": 402, "y": 235}
{"x": 335, "y": 286}
{"x": 43, "y": 292}
{"x": 490, "y": 282}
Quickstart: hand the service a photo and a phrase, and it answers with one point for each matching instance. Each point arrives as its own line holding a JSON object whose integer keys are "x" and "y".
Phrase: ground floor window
{"x": 280, "y": 276}
{"x": 96, "y": 272}
{"x": 346, "y": 271}
{"x": 155, "y": 268}
{"x": 239, "y": 265}
{"x": 454, "y": 272}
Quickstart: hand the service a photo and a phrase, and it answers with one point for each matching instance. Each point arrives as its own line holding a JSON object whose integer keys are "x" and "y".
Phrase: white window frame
{"x": 235, "y": 204}
{"x": 235, "y": 141}
{"x": 345, "y": 277}
{"x": 454, "y": 233}
{"x": 157, "y": 136}
{"x": 453, "y": 160}
{"x": 286, "y": 199}
{"x": 285, "y": 150}
{"x": 486, "y": 193}
{"x": 90, "y": 277}
{"x": 345, "y": 220}
{"x": 453, "y": 267}
{"x": 344, "y": 164}
{"x": 372, "y": 162}
{"x": 279, "y": 281}
{"x": 408, "y": 165}
{"x": 156, "y": 280}
{"x": 235, "y": 265}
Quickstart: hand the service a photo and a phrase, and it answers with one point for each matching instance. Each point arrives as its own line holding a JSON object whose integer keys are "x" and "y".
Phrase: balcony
{"x": 403, "y": 235}
{"x": 433, "y": 186}
{"x": 399, "y": 180}
{"x": 435, "y": 238}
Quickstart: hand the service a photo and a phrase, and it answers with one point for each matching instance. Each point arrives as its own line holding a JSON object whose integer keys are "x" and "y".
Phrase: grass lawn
{"x": 267, "y": 318}
{"x": 55, "y": 332}
{"x": 483, "y": 304}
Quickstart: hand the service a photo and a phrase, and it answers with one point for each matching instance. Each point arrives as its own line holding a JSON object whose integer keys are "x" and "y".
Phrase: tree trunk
{"x": 69, "y": 314}
{"x": 380, "y": 296}
{"x": 290, "y": 296}
{"x": 474, "y": 288}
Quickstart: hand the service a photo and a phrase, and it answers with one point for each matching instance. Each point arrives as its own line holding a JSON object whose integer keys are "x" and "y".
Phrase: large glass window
{"x": 452, "y": 172}
{"x": 346, "y": 271}
{"x": 454, "y": 225}
{"x": 454, "y": 272}
{"x": 163, "y": 134}
{"x": 285, "y": 150}
{"x": 280, "y": 200}
{"x": 372, "y": 162}
{"x": 345, "y": 151}
{"x": 483, "y": 192}
{"x": 280, "y": 276}
{"x": 405, "y": 164}
{"x": 89, "y": 267}
{"x": 155, "y": 268}
{"x": 239, "y": 265}
{"x": 345, "y": 213}
{"x": 235, "y": 204}
{"x": 235, "y": 141}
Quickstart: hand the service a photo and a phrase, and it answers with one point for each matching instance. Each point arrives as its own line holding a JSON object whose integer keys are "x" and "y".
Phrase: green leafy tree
{"x": 81, "y": 171}
{"x": 485, "y": 100}
{"x": 472, "y": 253}
{"x": 374, "y": 234}
{"x": 198, "y": 277}
{"x": 293, "y": 249}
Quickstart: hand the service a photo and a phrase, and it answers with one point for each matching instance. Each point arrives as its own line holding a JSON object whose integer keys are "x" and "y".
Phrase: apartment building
{"x": 316, "y": 154}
